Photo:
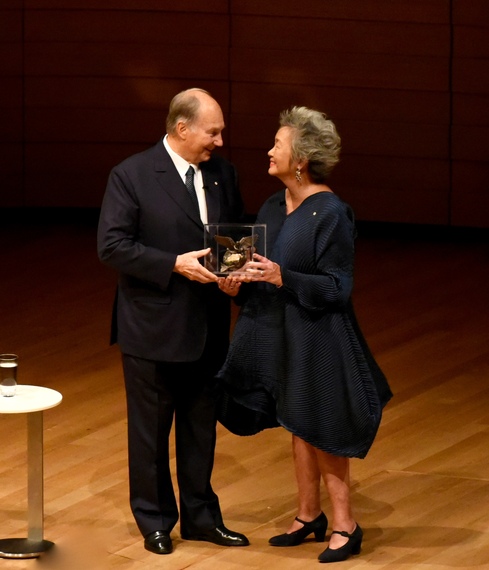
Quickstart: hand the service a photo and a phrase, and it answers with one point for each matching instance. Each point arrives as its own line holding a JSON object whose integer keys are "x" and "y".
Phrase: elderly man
{"x": 170, "y": 319}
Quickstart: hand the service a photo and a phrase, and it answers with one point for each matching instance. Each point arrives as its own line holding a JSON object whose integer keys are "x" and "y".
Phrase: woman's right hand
{"x": 229, "y": 285}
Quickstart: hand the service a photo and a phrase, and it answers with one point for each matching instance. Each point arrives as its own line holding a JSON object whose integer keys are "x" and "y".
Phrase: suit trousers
{"x": 160, "y": 394}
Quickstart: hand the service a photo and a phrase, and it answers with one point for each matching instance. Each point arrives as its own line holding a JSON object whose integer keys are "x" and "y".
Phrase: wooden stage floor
{"x": 421, "y": 495}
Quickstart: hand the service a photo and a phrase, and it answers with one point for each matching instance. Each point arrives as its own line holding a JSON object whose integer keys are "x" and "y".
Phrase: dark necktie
{"x": 189, "y": 183}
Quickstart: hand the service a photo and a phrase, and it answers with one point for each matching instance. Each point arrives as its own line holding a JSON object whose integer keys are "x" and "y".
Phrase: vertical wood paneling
{"x": 470, "y": 197}
{"x": 11, "y": 125}
{"x": 11, "y": 173}
{"x": 84, "y": 26}
{"x": 420, "y": 11}
{"x": 473, "y": 13}
{"x": 66, "y": 188}
{"x": 384, "y": 81}
{"x": 209, "y": 6}
{"x": 104, "y": 77}
{"x": 83, "y": 81}
{"x": 470, "y": 131}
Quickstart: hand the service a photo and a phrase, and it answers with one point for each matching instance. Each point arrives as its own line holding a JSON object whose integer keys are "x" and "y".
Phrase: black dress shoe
{"x": 158, "y": 542}
{"x": 219, "y": 535}
{"x": 318, "y": 526}
{"x": 353, "y": 546}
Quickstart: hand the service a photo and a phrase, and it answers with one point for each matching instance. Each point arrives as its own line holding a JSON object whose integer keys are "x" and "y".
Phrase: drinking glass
{"x": 8, "y": 374}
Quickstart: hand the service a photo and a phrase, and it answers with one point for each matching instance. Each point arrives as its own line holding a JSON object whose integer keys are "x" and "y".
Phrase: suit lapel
{"x": 212, "y": 186}
{"x": 171, "y": 183}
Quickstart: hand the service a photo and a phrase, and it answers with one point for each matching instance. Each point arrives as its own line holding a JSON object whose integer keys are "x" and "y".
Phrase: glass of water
{"x": 8, "y": 374}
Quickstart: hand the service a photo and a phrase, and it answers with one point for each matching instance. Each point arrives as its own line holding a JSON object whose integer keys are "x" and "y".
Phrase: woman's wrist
{"x": 278, "y": 281}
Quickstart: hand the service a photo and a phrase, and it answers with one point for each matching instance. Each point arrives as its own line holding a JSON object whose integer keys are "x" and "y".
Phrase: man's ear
{"x": 182, "y": 129}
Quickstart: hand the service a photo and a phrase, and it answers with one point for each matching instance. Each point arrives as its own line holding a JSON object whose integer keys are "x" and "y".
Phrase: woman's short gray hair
{"x": 315, "y": 139}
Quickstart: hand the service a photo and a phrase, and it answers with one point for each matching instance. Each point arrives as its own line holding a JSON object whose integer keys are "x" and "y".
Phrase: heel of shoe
{"x": 320, "y": 534}
{"x": 318, "y": 526}
{"x": 356, "y": 546}
{"x": 355, "y": 549}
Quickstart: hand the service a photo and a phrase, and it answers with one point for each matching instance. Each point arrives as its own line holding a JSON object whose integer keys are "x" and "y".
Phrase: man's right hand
{"x": 188, "y": 265}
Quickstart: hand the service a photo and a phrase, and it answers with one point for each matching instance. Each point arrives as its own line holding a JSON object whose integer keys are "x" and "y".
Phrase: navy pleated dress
{"x": 298, "y": 358}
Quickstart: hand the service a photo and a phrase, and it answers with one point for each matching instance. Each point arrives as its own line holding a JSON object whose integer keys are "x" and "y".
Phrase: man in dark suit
{"x": 171, "y": 319}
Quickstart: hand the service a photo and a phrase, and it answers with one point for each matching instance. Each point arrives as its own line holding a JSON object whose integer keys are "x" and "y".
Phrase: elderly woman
{"x": 298, "y": 358}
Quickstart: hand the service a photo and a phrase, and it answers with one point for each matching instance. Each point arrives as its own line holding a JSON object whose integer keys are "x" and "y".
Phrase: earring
{"x": 298, "y": 176}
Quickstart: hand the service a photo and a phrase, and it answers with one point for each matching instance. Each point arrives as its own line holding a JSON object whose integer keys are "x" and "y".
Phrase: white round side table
{"x": 31, "y": 400}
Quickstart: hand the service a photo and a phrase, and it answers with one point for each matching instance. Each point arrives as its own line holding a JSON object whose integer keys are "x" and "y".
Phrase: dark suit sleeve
{"x": 118, "y": 241}
{"x": 146, "y": 221}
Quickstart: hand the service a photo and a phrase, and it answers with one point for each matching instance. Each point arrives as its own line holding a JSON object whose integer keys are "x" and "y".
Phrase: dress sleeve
{"x": 327, "y": 282}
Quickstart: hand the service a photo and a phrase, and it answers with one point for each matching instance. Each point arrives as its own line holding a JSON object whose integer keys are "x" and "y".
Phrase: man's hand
{"x": 188, "y": 265}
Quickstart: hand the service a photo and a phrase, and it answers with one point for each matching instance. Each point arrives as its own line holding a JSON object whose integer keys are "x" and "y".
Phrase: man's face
{"x": 204, "y": 134}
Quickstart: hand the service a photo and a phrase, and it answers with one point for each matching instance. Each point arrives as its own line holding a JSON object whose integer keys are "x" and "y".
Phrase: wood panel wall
{"x": 85, "y": 83}
{"x": 11, "y": 107}
{"x": 470, "y": 122}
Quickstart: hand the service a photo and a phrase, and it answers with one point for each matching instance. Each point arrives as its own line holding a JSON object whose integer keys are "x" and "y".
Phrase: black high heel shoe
{"x": 353, "y": 546}
{"x": 318, "y": 526}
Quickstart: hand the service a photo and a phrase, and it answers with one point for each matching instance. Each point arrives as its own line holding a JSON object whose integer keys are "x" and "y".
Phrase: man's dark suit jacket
{"x": 147, "y": 219}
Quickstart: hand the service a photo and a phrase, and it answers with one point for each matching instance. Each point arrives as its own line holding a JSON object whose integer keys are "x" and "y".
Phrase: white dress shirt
{"x": 182, "y": 166}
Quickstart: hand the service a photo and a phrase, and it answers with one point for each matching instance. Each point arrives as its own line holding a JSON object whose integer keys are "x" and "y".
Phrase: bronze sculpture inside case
{"x": 237, "y": 252}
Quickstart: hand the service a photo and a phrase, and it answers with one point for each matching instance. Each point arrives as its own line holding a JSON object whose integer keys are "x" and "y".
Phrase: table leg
{"x": 35, "y": 476}
{"x": 34, "y": 545}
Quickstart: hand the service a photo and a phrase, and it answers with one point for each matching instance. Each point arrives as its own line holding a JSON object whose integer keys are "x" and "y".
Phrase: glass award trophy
{"x": 232, "y": 246}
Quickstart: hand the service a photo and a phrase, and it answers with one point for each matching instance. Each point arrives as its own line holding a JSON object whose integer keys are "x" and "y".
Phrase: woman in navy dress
{"x": 298, "y": 358}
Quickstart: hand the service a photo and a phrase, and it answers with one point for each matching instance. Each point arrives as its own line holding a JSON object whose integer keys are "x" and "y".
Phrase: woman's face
{"x": 280, "y": 154}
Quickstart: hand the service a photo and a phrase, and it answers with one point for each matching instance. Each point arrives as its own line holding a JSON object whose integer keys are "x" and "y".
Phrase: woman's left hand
{"x": 262, "y": 269}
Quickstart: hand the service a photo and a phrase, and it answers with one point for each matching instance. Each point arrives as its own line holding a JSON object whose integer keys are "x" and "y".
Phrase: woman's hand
{"x": 262, "y": 269}
{"x": 229, "y": 285}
